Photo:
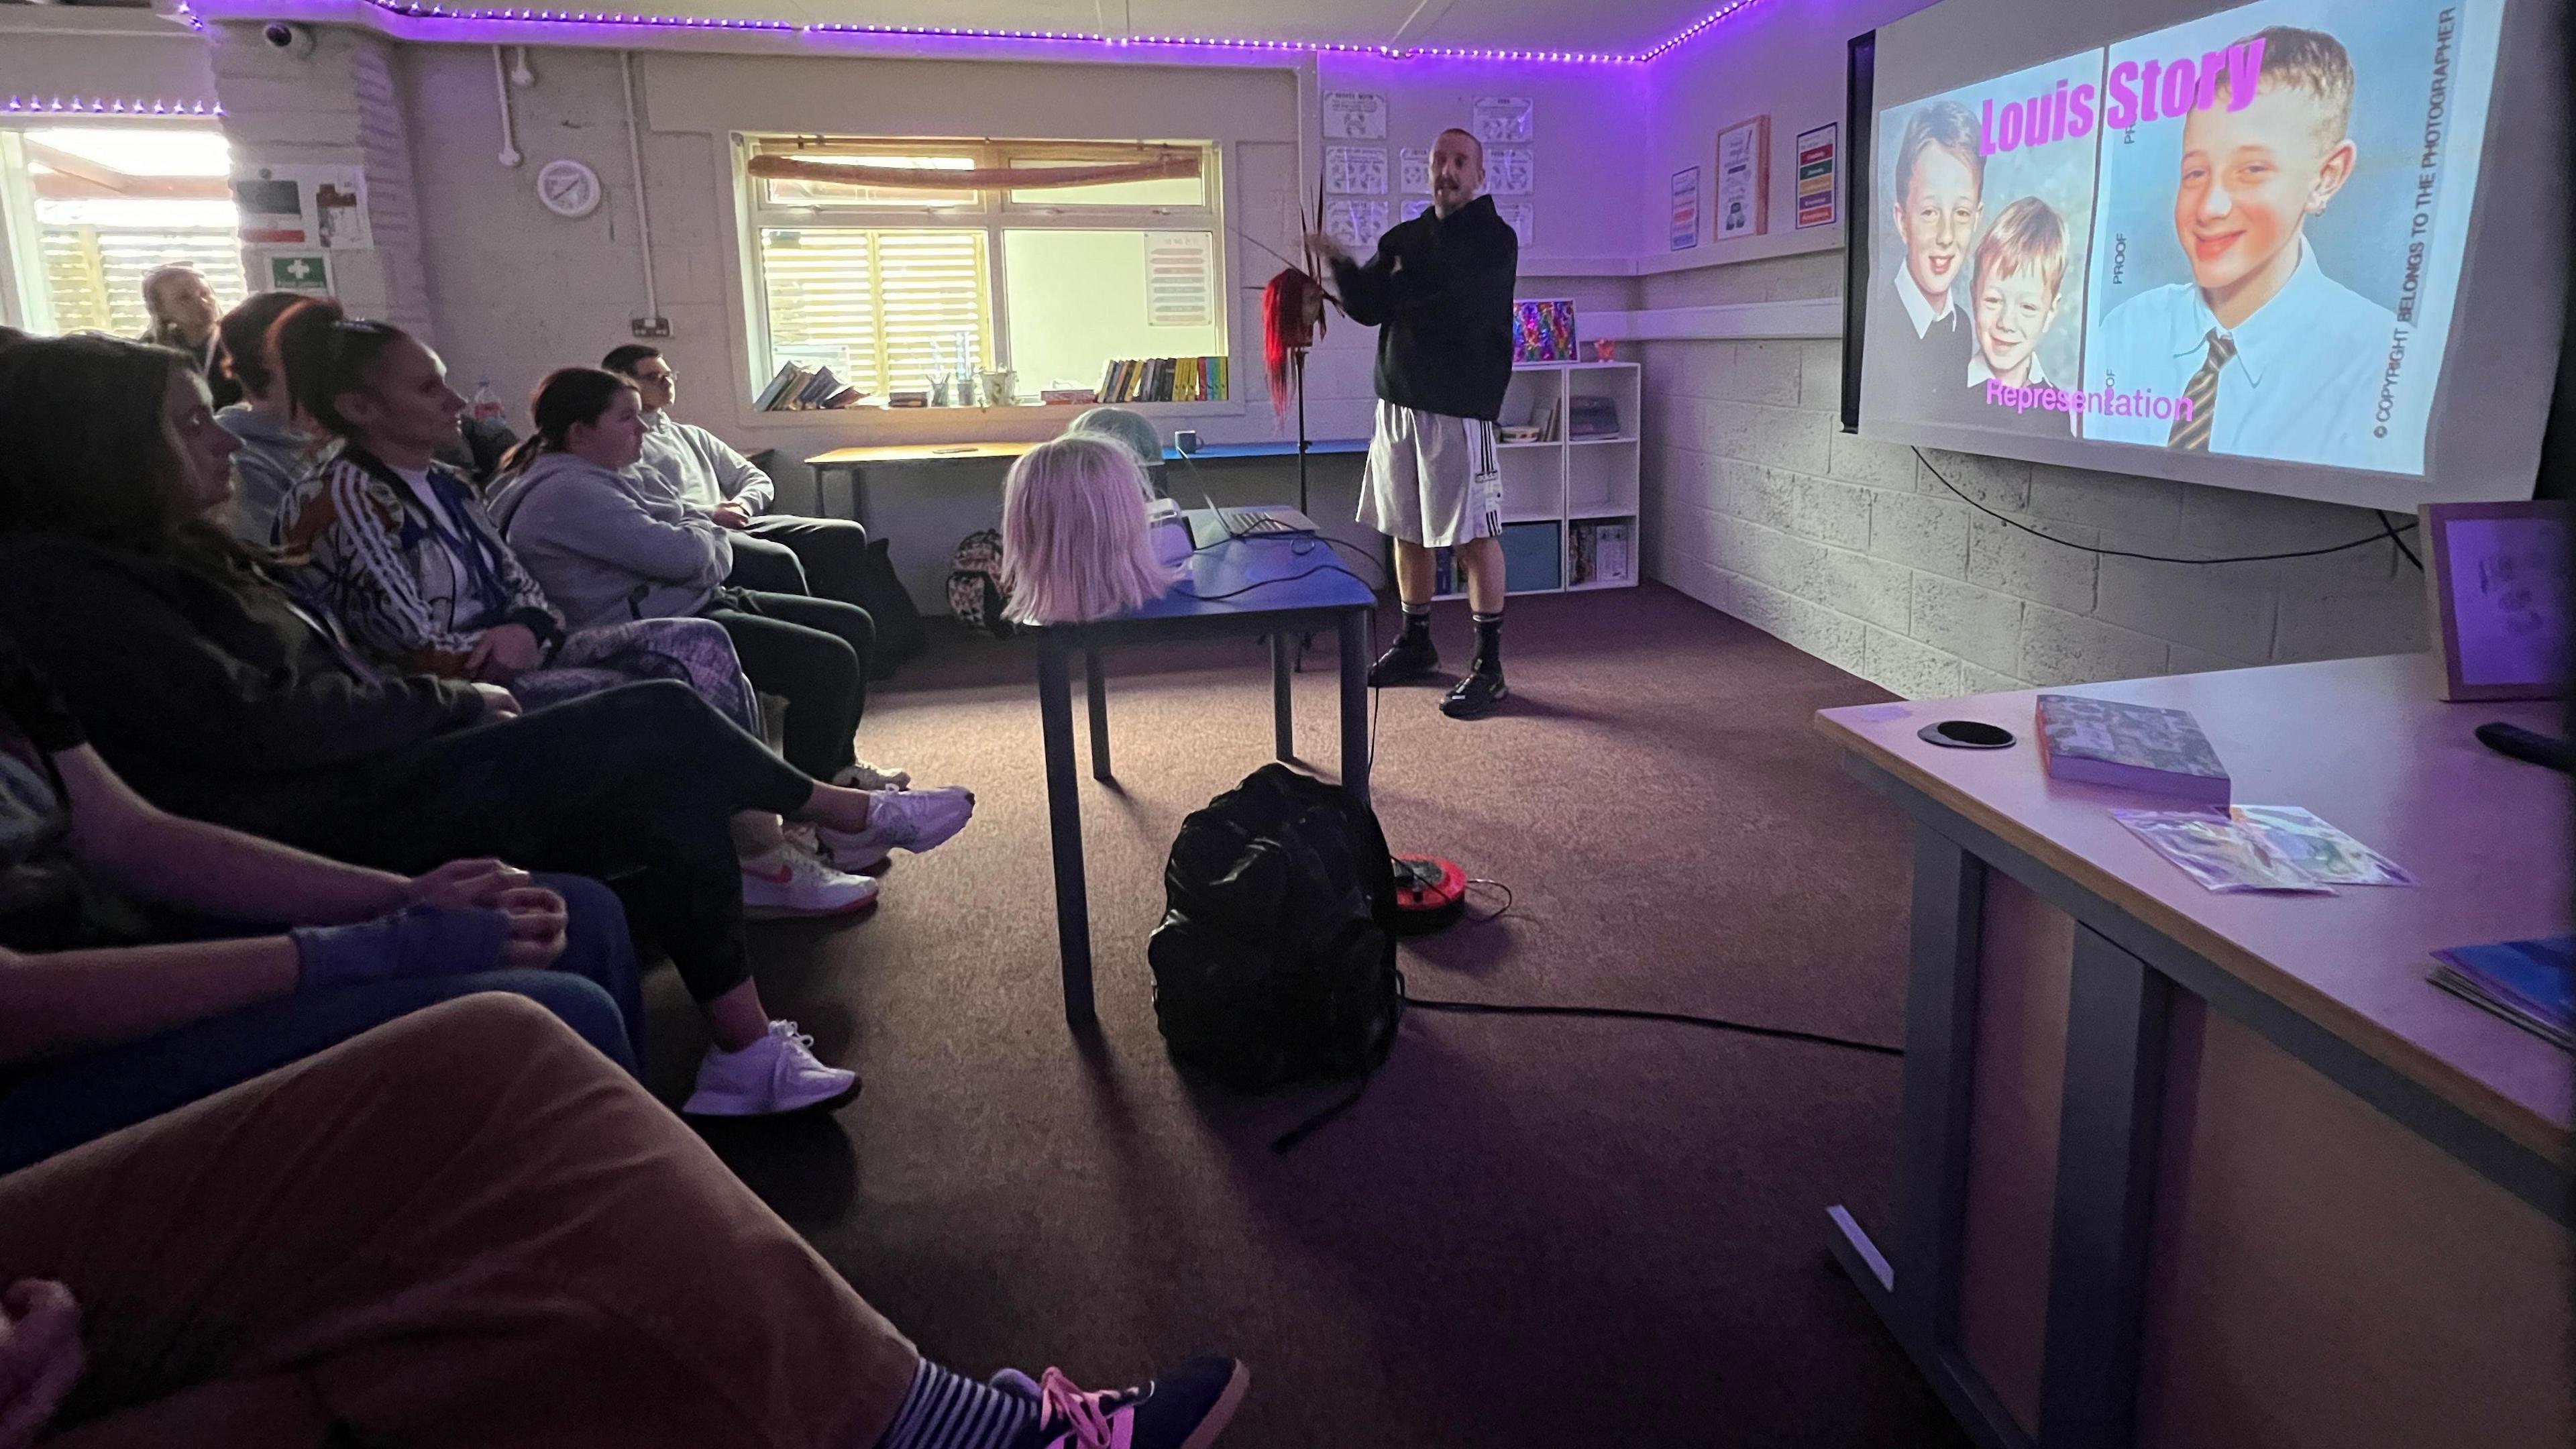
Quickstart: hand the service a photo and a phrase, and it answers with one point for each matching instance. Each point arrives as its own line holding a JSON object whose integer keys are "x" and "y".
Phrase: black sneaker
{"x": 1475, "y": 696}
{"x": 1184, "y": 1409}
{"x": 1404, "y": 664}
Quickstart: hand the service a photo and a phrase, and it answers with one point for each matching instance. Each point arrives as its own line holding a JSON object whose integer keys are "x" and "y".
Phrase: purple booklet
{"x": 2132, "y": 746}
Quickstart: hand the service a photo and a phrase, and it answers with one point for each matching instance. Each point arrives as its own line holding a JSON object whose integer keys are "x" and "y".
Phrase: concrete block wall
{"x": 1758, "y": 504}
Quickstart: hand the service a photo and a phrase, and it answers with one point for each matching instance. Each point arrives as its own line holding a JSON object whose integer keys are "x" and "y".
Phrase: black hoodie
{"x": 1440, "y": 294}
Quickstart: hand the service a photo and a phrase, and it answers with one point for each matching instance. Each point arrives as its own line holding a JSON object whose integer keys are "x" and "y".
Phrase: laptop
{"x": 1267, "y": 520}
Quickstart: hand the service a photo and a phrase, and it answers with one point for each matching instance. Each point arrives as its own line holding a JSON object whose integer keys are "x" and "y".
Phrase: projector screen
{"x": 2312, "y": 247}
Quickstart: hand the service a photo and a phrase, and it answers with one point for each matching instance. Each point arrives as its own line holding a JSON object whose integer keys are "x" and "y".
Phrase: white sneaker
{"x": 775, "y": 1074}
{"x": 790, "y": 882}
{"x": 914, "y": 820}
{"x": 860, "y": 775}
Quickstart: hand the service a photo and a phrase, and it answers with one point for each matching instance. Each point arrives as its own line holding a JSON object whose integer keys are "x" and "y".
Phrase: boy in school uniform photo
{"x": 2013, "y": 291}
{"x": 1915, "y": 328}
{"x": 2267, "y": 355}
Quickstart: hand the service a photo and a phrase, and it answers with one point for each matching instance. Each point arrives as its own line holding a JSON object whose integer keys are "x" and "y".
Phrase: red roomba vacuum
{"x": 1430, "y": 894}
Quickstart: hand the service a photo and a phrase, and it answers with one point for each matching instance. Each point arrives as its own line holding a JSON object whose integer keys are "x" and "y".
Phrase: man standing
{"x": 778, "y": 553}
{"x": 184, "y": 314}
{"x": 1439, "y": 291}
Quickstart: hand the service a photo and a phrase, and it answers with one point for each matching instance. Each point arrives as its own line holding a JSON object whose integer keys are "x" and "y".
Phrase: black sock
{"x": 1489, "y": 643}
{"x": 1417, "y": 627}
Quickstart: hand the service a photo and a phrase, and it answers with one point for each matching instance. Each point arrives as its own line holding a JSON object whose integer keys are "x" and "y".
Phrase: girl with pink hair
{"x": 1075, "y": 544}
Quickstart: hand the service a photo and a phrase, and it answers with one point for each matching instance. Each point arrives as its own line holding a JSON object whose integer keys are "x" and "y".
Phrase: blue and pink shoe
{"x": 1184, "y": 1409}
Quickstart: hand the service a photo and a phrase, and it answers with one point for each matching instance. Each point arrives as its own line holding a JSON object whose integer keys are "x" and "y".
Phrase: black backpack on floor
{"x": 1275, "y": 961}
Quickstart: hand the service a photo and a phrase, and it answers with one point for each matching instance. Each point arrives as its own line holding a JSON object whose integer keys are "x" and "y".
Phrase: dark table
{"x": 1279, "y": 586}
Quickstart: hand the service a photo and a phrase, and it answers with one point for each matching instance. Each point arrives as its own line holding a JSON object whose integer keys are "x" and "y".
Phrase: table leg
{"x": 1064, "y": 826}
{"x": 1096, "y": 687}
{"x": 1283, "y": 724}
{"x": 2106, "y": 1188}
{"x": 1355, "y": 732}
{"x": 859, "y": 495}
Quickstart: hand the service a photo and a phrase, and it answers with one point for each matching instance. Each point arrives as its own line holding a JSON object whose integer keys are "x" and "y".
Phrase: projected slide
{"x": 2237, "y": 236}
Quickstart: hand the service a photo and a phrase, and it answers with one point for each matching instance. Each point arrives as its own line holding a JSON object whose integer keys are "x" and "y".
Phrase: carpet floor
{"x": 1531, "y": 1231}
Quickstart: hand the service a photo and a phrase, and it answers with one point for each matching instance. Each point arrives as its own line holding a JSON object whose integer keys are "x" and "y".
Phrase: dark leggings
{"x": 63, "y": 1104}
{"x": 644, "y": 776}
{"x": 815, "y": 653}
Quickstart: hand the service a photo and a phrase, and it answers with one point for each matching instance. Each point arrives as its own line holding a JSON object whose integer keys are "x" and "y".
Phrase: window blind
{"x": 882, "y": 309}
{"x": 95, "y": 274}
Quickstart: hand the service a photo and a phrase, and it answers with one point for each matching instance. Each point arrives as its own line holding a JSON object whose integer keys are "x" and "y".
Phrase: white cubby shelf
{"x": 1570, "y": 511}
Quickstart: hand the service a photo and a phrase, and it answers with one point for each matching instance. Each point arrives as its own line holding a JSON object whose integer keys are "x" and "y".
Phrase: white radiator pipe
{"x": 635, "y": 159}
{"x": 509, "y": 129}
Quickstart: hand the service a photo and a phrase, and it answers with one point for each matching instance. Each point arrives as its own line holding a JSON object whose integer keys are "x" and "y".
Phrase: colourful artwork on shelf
{"x": 1543, "y": 331}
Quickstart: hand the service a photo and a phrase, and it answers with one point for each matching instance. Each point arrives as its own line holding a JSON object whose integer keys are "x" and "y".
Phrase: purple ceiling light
{"x": 416, "y": 10}
{"x": 1691, "y": 31}
{"x": 105, "y": 106}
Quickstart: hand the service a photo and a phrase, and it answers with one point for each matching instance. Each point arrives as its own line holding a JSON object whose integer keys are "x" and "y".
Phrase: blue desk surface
{"x": 1283, "y": 449}
{"x": 1292, "y": 572}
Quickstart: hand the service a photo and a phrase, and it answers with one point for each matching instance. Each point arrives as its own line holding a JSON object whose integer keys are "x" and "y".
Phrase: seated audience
{"x": 607, "y": 546}
{"x": 276, "y": 449}
{"x": 203, "y": 682}
{"x": 106, "y": 1020}
{"x": 523, "y": 1249}
{"x": 773, "y": 552}
{"x": 184, "y": 313}
{"x": 389, "y": 541}
{"x": 1075, "y": 544}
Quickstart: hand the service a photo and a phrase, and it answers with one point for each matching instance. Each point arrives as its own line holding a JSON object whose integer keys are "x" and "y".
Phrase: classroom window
{"x": 88, "y": 210}
{"x": 891, "y": 286}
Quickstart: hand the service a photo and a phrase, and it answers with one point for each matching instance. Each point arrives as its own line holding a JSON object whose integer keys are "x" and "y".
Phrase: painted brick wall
{"x": 1758, "y": 504}
{"x": 335, "y": 106}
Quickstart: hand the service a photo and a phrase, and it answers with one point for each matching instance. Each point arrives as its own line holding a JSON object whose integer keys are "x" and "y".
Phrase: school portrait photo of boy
{"x": 1919, "y": 337}
{"x": 2014, "y": 281}
{"x": 2264, "y": 353}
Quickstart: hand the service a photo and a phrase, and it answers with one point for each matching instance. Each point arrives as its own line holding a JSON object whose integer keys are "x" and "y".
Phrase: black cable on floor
{"x": 1677, "y": 1018}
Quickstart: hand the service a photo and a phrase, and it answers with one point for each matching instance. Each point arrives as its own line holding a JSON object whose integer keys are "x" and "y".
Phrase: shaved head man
{"x": 1439, "y": 291}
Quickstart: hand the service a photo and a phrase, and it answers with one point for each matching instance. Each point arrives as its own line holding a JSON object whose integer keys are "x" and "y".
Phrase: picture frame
{"x": 1543, "y": 330}
{"x": 2497, "y": 574}
{"x": 1743, "y": 180}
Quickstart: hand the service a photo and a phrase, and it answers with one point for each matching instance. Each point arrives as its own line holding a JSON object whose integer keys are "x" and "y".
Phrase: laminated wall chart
{"x": 1356, "y": 177}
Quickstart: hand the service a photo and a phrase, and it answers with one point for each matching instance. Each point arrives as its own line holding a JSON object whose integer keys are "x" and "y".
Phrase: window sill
{"x": 893, "y": 425}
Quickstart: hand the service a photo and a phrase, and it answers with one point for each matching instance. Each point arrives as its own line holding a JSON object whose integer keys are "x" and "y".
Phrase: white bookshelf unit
{"x": 1569, "y": 499}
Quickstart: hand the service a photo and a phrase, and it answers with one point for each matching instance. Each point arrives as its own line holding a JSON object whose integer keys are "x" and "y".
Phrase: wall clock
{"x": 568, "y": 188}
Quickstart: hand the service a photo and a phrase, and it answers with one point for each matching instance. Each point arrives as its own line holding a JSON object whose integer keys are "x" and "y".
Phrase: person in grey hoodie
{"x": 606, "y": 547}
{"x": 825, "y": 557}
{"x": 275, "y": 453}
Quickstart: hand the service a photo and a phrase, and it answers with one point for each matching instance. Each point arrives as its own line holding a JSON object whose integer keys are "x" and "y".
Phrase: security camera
{"x": 282, "y": 36}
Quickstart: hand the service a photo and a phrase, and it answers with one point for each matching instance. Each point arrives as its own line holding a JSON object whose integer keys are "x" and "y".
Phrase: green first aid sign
{"x": 299, "y": 272}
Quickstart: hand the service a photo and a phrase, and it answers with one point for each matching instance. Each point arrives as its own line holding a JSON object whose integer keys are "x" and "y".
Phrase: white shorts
{"x": 1432, "y": 478}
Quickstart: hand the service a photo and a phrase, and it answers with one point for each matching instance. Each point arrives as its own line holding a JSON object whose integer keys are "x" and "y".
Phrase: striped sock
{"x": 943, "y": 1410}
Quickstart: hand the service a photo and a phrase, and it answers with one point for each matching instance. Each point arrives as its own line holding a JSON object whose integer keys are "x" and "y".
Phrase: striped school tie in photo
{"x": 2202, "y": 392}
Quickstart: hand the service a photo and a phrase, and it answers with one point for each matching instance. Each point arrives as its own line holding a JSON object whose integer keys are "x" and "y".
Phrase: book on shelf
{"x": 848, "y": 397}
{"x": 2529, "y": 983}
{"x": 1600, "y": 554}
{"x": 1610, "y": 546}
{"x": 817, "y": 389}
{"x": 789, "y": 375}
{"x": 1594, "y": 416}
{"x": 2131, "y": 746}
{"x": 1164, "y": 379}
